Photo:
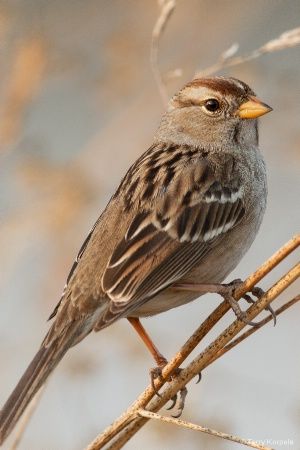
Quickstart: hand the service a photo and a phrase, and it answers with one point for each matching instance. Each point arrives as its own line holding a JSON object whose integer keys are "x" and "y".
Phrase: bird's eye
{"x": 212, "y": 105}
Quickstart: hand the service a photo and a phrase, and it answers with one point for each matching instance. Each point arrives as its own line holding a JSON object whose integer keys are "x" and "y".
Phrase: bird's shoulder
{"x": 159, "y": 169}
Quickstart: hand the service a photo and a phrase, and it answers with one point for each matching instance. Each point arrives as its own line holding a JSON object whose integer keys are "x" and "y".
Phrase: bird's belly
{"x": 213, "y": 268}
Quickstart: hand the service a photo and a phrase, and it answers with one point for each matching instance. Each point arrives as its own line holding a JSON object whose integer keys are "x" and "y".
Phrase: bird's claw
{"x": 173, "y": 400}
{"x": 258, "y": 293}
{"x": 182, "y": 396}
{"x": 180, "y": 406}
{"x": 155, "y": 373}
{"x": 199, "y": 377}
{"x": 228, "y": 292}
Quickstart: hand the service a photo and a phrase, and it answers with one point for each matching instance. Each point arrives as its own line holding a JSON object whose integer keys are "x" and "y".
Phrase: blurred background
{"x": 78, "y": 104}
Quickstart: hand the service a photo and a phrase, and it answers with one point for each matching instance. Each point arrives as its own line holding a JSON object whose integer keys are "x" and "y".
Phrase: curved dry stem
{"x": 288, "y": 39}
{"x": 252, "y": 330}
{"x": 166, "y": 9}
{"x": 195, "y": 427}
{"x": 204, "y": 359}
{"x": 127, "y": 424}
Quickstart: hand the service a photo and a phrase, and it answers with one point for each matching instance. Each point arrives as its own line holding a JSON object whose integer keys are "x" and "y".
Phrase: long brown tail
{"x": 34, "y": 377}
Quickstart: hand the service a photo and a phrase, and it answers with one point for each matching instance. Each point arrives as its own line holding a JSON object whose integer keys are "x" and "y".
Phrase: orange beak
{"x": 253, "y": 108}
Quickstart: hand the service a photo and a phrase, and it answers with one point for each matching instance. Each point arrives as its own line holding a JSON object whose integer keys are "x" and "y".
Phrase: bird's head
{"x": 217, "y": 111}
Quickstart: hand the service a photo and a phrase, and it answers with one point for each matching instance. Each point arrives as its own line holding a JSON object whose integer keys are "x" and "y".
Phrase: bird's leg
{"x": 227, "y": 291}
{"x": 160, "y": 360}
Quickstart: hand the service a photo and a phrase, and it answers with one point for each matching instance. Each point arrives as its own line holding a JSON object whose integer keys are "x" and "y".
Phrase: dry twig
{"x": 193, "y": 426}
{"x": 128, "y": 423}
{"x": 287, "y": 39}
{"x": 166, "y": 9}
{"x": 252, "y": 330}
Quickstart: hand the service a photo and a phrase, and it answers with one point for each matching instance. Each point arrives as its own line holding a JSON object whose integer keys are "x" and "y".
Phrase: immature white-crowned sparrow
{"x": 186, "y": 212}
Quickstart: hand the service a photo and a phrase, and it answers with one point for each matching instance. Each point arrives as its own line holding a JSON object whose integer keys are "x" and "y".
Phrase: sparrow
{"x": 182, "y": 217}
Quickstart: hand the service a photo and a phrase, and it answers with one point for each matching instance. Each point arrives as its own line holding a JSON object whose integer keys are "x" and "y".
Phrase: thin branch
{"x": 195, "y": 427}
{"x": 288, "y": 39}
{"x": 166, "y": 9}
{"x": 252, "y": 330}
{"x": 127, "y": 425}
{"x": 202, "y": 361}
{"x": 269, "y": 265}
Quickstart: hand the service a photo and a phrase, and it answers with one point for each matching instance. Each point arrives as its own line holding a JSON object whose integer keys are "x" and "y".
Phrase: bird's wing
{"x": 73, "y": 268}
{"x": 168, "y": 238}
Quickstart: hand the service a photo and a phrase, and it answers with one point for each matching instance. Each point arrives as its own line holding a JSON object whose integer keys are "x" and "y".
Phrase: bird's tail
{"x": 34, "y": 377}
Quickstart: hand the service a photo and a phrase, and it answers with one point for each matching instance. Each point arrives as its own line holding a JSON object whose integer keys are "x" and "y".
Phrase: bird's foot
{"x": 258, "y": 293}
{"x": 182, "y": 396}
{"x": 178, "y": 400}
{"x": 156, "y": 372}
{"x": 227, "y": 292}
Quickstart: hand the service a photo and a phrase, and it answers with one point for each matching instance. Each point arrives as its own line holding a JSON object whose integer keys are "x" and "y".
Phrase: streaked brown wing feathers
{"x": 131, "y": 260}
{"x": 165, "y": 242}
{"x": 180, "y": 261}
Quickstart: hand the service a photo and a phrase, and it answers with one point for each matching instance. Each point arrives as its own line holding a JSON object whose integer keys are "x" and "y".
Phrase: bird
{"x": 183, "y": 216}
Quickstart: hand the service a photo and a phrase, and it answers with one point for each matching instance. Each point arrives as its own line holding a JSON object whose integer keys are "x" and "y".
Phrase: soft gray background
{"x": 92, "y": 109}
